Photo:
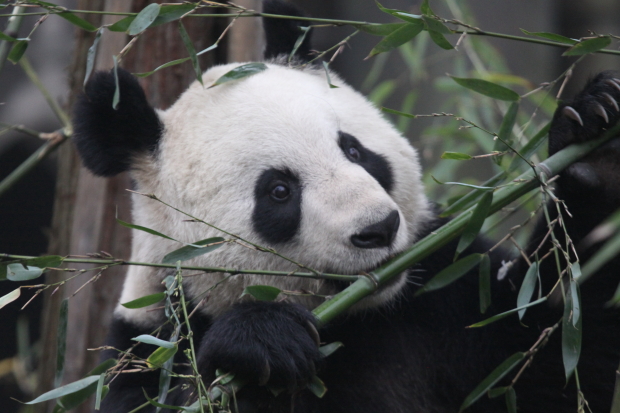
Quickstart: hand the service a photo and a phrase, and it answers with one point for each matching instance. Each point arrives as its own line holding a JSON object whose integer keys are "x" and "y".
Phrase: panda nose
{"x": 378, "y": 235}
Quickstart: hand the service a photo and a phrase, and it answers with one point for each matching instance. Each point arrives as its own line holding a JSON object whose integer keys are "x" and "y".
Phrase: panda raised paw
{"x": 263, "y": 342}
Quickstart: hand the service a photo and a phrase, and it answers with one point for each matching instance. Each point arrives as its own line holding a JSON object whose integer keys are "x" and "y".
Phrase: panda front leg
{"x": 591, "y": 186}
{"x": 271, "y": 344}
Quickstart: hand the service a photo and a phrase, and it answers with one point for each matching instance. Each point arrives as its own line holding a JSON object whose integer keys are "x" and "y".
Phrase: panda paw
{"x": 594, "y": 110}
{"x": 263, "y": 342}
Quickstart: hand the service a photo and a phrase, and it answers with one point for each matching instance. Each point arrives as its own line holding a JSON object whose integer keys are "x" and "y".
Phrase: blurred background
{"x": 412, "y": 79}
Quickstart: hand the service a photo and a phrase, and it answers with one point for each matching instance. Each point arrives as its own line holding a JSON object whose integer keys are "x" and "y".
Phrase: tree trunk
{"x": 86, "y": 206}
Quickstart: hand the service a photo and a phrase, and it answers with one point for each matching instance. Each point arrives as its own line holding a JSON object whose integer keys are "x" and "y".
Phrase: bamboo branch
{"x": 426, "y": 246}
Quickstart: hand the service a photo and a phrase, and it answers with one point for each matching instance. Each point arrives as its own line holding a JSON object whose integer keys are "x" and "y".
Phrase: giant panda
{"x": 317, "y": 173}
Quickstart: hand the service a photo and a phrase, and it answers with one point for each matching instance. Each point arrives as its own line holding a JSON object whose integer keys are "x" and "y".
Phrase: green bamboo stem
{"x": 426, "y": 246}
{"x": 12, "y": 28}
{"x": 322, "y": 276}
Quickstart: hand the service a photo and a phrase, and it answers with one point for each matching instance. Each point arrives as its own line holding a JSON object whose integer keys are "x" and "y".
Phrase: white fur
{"x": 216, "y": 143}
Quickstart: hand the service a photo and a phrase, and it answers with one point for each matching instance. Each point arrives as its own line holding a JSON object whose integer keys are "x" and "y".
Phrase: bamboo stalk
{"x": 431, "y": 243}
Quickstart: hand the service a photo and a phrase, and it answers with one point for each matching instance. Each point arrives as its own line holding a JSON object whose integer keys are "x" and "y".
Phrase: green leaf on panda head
{"x": 240, "y": 72}
{"x": 190, "y": 251}
{"x": 262, "y": 292}
{"x": 144, "y": 19}
{"x": 144, "y": 301}
{"x": 588, "y": 46}
{"x": 487, "y": 88}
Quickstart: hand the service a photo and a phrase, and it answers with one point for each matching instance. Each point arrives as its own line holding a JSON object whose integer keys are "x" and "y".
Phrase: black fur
{"x": 108, "y": 138}
{"x": 281, "y": 34}
{"x": 375, "y": 164}
{"x": 277, "y": 221}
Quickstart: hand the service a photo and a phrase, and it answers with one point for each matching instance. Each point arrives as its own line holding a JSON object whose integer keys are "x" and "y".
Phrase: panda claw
{"x": 572, "y": 113}
{"x": 611, "y": 101}
{"x": 612, "y": 83}
{"x": 313, "y": 333}
{"x": 600, "y": 110}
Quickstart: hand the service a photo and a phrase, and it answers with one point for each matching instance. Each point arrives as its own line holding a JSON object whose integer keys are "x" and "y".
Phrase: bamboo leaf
{"x": 77, "y": 21}
{"x": 496, "y": 392}
{"x": 190, "y": 251}
{"x": 61, "y": 341}
{"x": 484, "y": 188}
{"x": 409, "y": 18}
{"x": 10, "y": 297}
{"x": 440, "y": 40}
{"x": 386, "y": 10}
{"x": 73, "y": 400}
{"x": 328, "y": 349}
{"x": 17, "y": 272}
{"x": 46, "y": 261}
{"x": 90, "y": 57}
{"x": 551, "y": 36}
{"x": 399, "y": 113}
{"x": 299, "y": 41}
{"x": 397, "y": 38}
{"x": 527, "y": 288}
{"x": 192, "y": 52}
{"x": 160, "y": 356}
{"x": 329, "y": 81}
{"x": 262, "y": 292}
{"x": 7, "y": 38}
{"x": 571, "y": 331}
{"x": 506, "y": 313}
{"x": 484, "y": 283}
{"x": 588, "y": 46}
{"x": 144, "y": 301}
{"x": 476, "y": 221}
{"x": 68, "y": 389}
{"x": 425, "y": 8}
{"x": 457, "y": 156}
{"x": 511, "y": 400}
{"x": 101, "y": 391}
{"x": 379, "y": 29}
{"x": 317, "y": 387}
{"x": 434, "y": 25}
{"x": 144, "y": 19}
{"x": 505, "y": 129}
{"x": 488, "y": 89}
{"x": 450, "y": 274}
{"x": 3, "y": 271}
{"x": 17, "y": 51}
{"x": 145, "y": 338}
{"x": 175, "y": 62}
{"x": 145, "y": 229}
{"x": 166, "y": 14}
{"x": 495, "y": 376}
{"x": 240, "y": 72}
{"x": 163, "y": 406}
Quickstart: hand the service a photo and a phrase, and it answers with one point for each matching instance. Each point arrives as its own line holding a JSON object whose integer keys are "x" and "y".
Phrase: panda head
{"x": 278, "y": 158}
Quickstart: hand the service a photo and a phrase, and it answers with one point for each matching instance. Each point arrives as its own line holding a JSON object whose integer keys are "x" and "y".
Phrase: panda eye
{"x": 353, "y": 154}
{"x": 280, "y": 193}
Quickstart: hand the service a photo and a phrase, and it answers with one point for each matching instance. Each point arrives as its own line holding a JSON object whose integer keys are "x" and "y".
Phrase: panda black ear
{"x": 282, "y": 34}
{"x": 108, "y": 138}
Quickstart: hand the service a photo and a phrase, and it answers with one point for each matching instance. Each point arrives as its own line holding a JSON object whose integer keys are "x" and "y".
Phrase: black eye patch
{"x": 277, "y": 211}
{"x": 376, "y": 165}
